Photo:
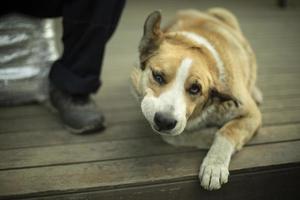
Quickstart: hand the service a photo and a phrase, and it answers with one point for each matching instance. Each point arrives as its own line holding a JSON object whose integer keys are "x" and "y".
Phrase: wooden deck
{"x": 40, "y": 160}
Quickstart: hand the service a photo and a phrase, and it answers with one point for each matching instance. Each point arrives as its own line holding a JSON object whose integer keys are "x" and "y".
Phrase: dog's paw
{"x": 212, "y": 176}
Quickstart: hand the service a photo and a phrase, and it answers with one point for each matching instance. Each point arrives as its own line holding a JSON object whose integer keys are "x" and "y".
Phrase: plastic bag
{"x": 27, "y": 51}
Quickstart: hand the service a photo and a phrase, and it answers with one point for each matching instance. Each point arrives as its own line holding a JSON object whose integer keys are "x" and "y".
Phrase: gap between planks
{"x": 120, "y": 149}
{"x": 122, "y": 173}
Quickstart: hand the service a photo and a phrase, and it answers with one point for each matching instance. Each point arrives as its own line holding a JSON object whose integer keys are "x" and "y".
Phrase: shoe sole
{"x": 85, "y": 130}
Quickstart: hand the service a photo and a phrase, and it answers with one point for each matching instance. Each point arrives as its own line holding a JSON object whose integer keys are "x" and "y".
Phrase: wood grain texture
{"x": 41, "y": 160}
{"x": 16, "y": 140}
{"x": 149, "y": 145}
{"x": 135, "y": 171}
{"x": 189, "y": 189}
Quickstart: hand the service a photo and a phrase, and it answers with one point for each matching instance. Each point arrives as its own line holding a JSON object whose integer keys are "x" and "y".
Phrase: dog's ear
{"x": 223, "y": 95}
{"x": 151, "y": 38}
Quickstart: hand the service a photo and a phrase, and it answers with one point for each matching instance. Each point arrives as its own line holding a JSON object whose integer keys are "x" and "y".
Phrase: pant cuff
{"x": 68, "y": 81}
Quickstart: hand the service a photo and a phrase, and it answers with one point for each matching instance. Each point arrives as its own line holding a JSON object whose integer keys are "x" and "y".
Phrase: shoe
{"x": 78, "y": 112}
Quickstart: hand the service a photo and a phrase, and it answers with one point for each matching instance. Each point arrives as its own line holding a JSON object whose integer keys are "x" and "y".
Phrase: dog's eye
{"x": 194, "y": 89}
{"x": 158, "y": 78}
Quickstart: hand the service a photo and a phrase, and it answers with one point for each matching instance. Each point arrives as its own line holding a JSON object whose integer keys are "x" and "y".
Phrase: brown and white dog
{"x": 198, "y": 71}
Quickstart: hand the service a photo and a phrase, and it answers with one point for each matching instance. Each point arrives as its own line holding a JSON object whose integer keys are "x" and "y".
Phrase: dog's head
{"x": 178, "y": 78}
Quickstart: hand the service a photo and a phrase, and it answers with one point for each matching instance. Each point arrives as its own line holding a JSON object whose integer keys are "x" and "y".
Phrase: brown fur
{"x": 229, "y": 102}
{"x": 221, "y": 29}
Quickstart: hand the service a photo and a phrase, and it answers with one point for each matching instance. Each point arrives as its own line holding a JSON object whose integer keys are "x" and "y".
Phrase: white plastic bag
{"x": 27, "y": 51}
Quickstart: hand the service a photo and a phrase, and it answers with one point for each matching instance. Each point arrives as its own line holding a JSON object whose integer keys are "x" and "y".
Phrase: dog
{"x": 199, "y": 71}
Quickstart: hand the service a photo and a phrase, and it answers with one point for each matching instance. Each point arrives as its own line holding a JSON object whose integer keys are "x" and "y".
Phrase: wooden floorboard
{"x": 51, "y": 122}
{"x": 41, "y": 160}
{"x": 121, "y": 149}
{"x": 135, "y": 171}
{"x": 16, "y": 140}
{"x": 189, "y": 189}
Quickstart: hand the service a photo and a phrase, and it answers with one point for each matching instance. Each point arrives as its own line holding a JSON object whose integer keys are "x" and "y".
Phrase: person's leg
{"x": 34, "y": 8}
{"x": 87, "y": 26}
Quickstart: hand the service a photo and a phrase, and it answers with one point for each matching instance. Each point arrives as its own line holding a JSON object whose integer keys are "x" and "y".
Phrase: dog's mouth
{"x": 157, "y": 130}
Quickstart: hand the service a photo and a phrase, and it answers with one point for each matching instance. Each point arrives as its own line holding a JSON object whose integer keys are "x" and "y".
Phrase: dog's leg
{"x": 231, "y": 137}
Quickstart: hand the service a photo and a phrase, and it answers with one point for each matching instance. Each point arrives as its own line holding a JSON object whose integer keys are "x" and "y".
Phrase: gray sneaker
{"x": 78, "y": 113}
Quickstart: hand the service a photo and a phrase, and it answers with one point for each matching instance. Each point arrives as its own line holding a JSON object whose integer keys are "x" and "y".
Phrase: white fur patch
{"x": 214, "y": 169}
{"x": 202, "y": 41}
{"x": 175, "y": 96}
{"x": 171, "y": 101}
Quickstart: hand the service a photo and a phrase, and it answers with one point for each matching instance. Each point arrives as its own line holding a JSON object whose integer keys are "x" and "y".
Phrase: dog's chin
{"x": 166, "y": 133}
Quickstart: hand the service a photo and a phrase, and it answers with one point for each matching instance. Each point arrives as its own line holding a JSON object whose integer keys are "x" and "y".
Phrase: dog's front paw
{"x": 213, "y": 175}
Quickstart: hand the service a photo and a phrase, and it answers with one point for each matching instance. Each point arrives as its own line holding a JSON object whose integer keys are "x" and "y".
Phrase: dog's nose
{"x": 164, "y": 122}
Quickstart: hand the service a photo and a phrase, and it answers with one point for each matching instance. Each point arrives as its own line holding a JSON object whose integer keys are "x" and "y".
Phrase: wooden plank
{"x": 281, "y": 93}
{"x": 282, "y": 117}
{"x": 278, "y": 183}
{"x": 133, "y": 172}
{"x": 50, "y": 122}
{"x": 264, "y": 79}
{"x": 120, "y": 149}
{"x": 273, "y": 104}
{"x": 38, "y": 138}
{"x": 87, "y": 152}
{"x": 29, "y": 124}
{"x": 59, "y": 137}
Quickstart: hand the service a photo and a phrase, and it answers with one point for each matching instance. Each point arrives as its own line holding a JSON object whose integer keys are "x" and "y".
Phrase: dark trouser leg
{"x": 35, "y": 8}
{"x": 87, "y": 26}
